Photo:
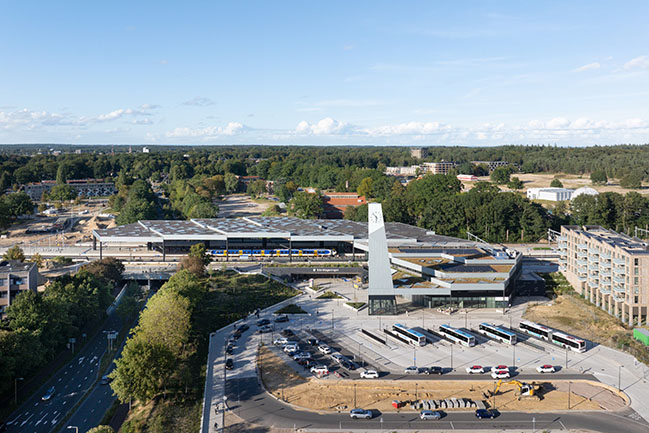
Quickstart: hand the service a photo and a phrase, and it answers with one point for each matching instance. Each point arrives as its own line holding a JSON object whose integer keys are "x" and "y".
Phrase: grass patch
{"x": 329, "y": 295}
{"x": 356, "y": 305}
{"x": 556, "y": 285}
{"x": 542, "y": 248}
{"x": 291, "y": 309}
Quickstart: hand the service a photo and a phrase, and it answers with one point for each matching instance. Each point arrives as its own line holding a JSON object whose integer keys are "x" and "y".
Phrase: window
{"x": 635, "y": 299}
{"x": 18, "y": 281}
{"x": 3, "y": 281}
{"x": 636, "y": 271}
{"x": 635, "y": 262}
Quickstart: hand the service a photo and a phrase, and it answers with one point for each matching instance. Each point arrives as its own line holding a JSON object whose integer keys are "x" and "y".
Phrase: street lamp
{"x": 16, "y": 388}
{"x": 76, "y": 429}
{"x": 619, "y": 377}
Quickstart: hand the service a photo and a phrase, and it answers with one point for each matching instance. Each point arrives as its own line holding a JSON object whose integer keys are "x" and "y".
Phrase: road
{"x": 70, "y": 382}
{"x": 250, "y": 402}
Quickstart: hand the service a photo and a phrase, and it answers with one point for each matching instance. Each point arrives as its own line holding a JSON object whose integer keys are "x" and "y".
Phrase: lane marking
{"x": 40, "y": 420}
{"x": 25, "y": 422}
{"x": 452, "y": 426}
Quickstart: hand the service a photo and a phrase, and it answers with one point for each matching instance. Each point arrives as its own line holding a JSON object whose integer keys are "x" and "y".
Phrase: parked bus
{"x": 457, "y": 335}
{"x": 497, "y": 333}
{"x": 553, "y": 336}
{"x": 568, "y": 341}
{"x": 414, "y": 337}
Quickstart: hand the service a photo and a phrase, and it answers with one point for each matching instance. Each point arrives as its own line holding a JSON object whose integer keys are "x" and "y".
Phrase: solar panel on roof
{"x": 451, "y": 251}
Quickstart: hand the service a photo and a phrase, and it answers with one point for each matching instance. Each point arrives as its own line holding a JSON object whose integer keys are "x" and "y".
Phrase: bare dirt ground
{"x": 240, "y": 205}
{"x": 573, "y": 315}
{"x": 332, "y": 394}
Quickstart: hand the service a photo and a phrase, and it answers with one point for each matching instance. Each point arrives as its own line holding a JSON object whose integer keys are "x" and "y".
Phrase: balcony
{"x": 606, "y": 265}
{"x": 593, "y": 259}
{"x": 562, "y": 245}
{"x": 582, "y": 246}
{"x": 617, "y": 298}
{"x": 619, "y": 271}
{"x": 563, "y": 253}
{"x": 593, "y": 284}
{"x": 604, "y": 291}
{"x": 582, "y": 254}
{"x": 605, "y": 273}
{"x": 562, "y": 238}
{"x": 605, "y": 255}
{"x": 606, "y": 283}
{"x": 618, "y": 289}
{"x": 619, "y": 280}
{"x": 619, "y": 262}
{"x": 582, "y": 262}
{"x": 593, "y": 250}
{"x": 563, "y": 261}
{"x": 581, "y": 278}
{"x": 593, "y": 267}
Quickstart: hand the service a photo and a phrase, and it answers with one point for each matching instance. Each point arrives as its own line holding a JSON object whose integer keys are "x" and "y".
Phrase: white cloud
{"x": 210, "y": 132}
{"x": 410, "y": 128}
{"x": 119, "y": 113}
{"x": 199, "y": 101}
{"x": 349, "y": 103}
{"x": 27, "y": 119}
{"x": 588, "y": 67}
{"x": 326, "y": 126}
{"x": 641, "y": 62}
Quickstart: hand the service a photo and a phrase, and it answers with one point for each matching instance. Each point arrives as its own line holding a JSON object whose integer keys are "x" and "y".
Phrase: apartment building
{"x": 16, "y": 277}
{"x": 492, "y": 165}
{"x": 609, "y": 269}
{"x": 442, "y": 167}
{"x": 418, "y": 152}
{"x": 84, "y": 187}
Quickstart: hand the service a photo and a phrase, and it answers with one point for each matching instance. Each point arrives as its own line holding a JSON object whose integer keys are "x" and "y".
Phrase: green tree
{"x": 631, "y": 180}
{"x": 110, "y": 269}
{"x": 365, "y": 188}
{"x": 38, "y": 259}
{"x": 62, "y": 193}
{"x": 200, "y": 252}
{"x": 515, "y": 183}
{"x": 165, "y": 321}
{"x": 231, "y": 183}
{"x": 501, "y": 175}
{"x": 306, "y": 205}
{"x": 14, "y": 253}
{"x": 62, "y": 174}
{"x": 257, "y": 188}
{"x": 598, "y": 177}
{"x": 556, "y": 183}
{"x": 101, "y": 429}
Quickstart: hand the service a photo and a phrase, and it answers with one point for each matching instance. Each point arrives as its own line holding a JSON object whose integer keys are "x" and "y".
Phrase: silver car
{"x": 430, "y": 415}
{"x": 360, "y": 413}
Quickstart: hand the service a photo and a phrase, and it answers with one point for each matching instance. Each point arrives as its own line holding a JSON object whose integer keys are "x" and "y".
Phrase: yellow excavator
{"x": 525, "y": 390}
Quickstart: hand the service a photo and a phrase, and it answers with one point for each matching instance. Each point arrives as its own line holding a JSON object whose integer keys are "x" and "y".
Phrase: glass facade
{"x": 382, "y": 305}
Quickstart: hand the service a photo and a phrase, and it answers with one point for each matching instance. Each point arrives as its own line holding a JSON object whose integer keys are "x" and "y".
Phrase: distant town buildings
{"x": 584, "y": 190}
{"x": 402, "y": 171}
{"x": 16, "y": 277}
{"x": 335, "y": 204}
{"x": 145, "y": 149}
{"x": 84, "y": 187}
{"x": 551, "y": 194}
{"x": 418, "y": 152}
{"x": 467, "y": 177}
{"x": 609, "y": 269}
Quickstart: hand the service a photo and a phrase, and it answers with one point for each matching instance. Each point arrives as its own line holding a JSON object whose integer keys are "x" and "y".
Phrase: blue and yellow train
{"x": 273, "y": 253}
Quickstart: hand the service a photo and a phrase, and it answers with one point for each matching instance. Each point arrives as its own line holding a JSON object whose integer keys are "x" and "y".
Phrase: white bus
{"x": 414, "y": 337}
{"x": 457, "y": 335}
{"x": 497, "y": 333}
{"x": 553, "y": 336}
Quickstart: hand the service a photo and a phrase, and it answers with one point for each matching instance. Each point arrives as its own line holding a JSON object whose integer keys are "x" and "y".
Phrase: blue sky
{"x": 360, "y": 72}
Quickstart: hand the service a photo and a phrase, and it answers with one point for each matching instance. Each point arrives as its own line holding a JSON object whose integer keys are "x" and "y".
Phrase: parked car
{"x": 500, "y": 374}
{"x": 475, "y": 369}
{"x": 338, "y": 357}
{"x": 48, "y": 394}
{"x": 229, "y": 349}
{"x": 411, "y": 370}
{"x": 291, "y": 348}
{"x": 301, "y": 355}
{"x": 305, "y": 362}
{"x": 288, "y": 333}
{"x": 360, "y": 413}
{"x": 349, "y": 365}
{"x": 499, "y": 367}
{"x": 105, "y": 380}
{"x": 313, "y": 341}
{"x": 320, "y": 370}
{"x": 236, "y": 334}
{"x": 243, "y": 327}
{"x": 263, "y": 322}
{"x": 434, "y": 370}
{"x": 369, "y": 374}
{"x": 547, "y": 368}
{"x": 265, "y": 329}
{"x": 229, "y": 364}
{"x": 279, "y": 341}
{"x": 324, "y": 349}
{"x": 281, "y": 319}
{"x": 430, "y": 415}
{"x": 485, "y": 414}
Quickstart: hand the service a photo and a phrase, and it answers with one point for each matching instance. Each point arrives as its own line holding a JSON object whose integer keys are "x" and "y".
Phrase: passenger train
{"x": 273, "y": 253}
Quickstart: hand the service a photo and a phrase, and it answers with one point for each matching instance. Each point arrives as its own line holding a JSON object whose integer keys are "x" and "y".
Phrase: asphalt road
{"x": 248, "y": 400}
{"x": 70, "y": 382}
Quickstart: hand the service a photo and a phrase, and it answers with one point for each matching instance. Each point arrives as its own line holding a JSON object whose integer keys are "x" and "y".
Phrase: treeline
{"x": 39, "y": 324}
{"x": 134, "y": 201}
{"x": 611, "y": 210}
{"x": 437, "y": 203}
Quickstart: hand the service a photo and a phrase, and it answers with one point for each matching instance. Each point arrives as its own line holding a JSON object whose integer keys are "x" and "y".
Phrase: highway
{"x": 70, "y": 382}
{"x": 250, "y": 402}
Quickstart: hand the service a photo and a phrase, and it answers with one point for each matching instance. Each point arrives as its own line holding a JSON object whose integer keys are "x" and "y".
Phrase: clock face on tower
{"x": 374, "y": 217}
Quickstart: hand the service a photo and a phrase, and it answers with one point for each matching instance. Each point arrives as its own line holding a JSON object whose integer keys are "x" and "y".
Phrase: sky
{"x": 475, "y": 73}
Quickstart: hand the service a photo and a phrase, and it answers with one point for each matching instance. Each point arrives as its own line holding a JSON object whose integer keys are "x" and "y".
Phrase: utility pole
{"x": 619, "y": 377}
{"x": 451, "y": 357}
{"x": 566, "y": 358}
{"x": 514, "y": 355}
{"x": 569, "y": 383}
{"x": 332, "y": 319}
{"x": 16, "y": 388}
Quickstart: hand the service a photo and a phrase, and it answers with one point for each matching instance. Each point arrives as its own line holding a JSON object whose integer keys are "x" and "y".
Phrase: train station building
{"x": 425, "y": 268}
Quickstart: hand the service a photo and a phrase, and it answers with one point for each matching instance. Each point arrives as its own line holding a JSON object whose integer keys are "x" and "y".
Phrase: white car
{"x": 499, "y": 368}
{"x": 475, "y": 369}
{"x": 338, "y": 357}
{"x": 370, "y": 374}
{"x": 546, "y": 368}
{"x": 500, "y": 374}
{"x": 360, "y": 413}
{"x": 324, "y": 349}
{"x": 411, "y": 370}
{"x": 290, "y": 348}
{"x": 319, "y": 370}
{"x": 302, "y": 355}
{"x": 279, "y": 341}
